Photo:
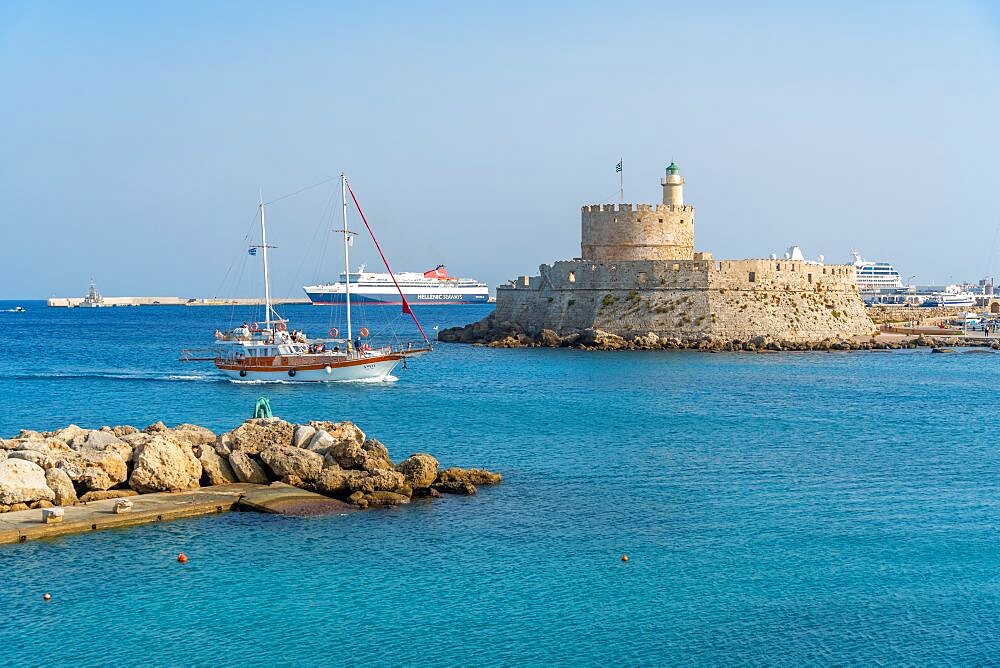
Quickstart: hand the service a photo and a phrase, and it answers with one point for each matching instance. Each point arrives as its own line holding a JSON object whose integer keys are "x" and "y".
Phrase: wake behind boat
{"x": 268, "y": 351}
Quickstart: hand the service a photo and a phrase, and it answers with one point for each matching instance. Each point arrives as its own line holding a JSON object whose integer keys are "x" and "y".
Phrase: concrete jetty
{"x": 25, "y": 525}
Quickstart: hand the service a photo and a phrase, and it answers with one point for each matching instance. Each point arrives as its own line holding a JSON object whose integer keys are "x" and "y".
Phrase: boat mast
{"x": 267, "y": 280}
{"x": 347, "y": 260}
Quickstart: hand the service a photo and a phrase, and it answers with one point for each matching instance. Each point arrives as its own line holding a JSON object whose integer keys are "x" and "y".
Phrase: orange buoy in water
{"x": 182, "y": 558}
{"x": 624, "y": 557}
{"x": 48, "y": 596}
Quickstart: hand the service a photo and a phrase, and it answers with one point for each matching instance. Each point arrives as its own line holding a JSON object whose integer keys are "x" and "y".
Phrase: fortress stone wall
{"x": 726, "y": 300}
{"x": 639, "y": 273}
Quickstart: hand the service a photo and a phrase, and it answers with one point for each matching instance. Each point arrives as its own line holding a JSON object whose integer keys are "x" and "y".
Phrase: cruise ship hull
{"x": 362, "y": 296}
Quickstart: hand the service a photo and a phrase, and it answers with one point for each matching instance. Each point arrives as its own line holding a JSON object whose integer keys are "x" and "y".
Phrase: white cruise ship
{"x": 430, "y": 287}
{"x": 873, "y": 277}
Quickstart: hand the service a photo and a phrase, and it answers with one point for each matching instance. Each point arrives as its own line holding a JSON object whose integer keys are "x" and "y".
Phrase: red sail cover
{"x": 406, "y": 304}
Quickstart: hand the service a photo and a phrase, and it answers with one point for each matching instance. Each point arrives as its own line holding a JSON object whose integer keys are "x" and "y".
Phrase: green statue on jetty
{"x": 262, "y": 409}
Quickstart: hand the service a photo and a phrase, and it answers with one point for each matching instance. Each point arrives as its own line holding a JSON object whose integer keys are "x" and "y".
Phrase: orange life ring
{"x": 363, "y": 331}
{"x": 253, "y": 327}
{"x": 333, "y": 332}
{"x": 281, "y": 326}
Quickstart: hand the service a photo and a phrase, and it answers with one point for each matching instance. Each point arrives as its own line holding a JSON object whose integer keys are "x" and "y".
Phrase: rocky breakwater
{"x": 489, "y": 332}
{"x": 74, "y": 465}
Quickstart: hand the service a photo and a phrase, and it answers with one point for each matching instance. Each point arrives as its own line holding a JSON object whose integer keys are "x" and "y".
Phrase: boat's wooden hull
{"x": 375, "y": 368}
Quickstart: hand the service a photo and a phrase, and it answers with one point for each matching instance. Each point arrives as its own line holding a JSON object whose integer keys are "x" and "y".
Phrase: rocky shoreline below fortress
{"x": 489, "y": 332}
{"x": 70, "y": 466}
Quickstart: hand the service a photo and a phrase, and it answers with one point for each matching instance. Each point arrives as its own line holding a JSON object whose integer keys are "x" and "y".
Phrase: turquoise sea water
{"x": 817, "y": 508}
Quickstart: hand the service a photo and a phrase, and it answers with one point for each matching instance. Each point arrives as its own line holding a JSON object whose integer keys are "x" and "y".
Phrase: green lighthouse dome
{"x": 673, "y": 168}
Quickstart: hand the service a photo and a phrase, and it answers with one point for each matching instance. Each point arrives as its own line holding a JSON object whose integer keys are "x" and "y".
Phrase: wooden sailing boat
{"x": 267, "y": 351}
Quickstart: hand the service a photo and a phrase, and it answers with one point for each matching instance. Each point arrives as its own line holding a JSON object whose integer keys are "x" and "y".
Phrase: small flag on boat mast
{"x": 252, "y": 251}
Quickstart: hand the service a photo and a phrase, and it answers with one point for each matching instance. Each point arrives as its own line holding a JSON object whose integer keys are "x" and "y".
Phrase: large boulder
{"x": 246, "y": 469}
{"x": 62, "y": 486}
{"x": 302, "y": 435}
{"x": 420, "y": 470}
{"x": 163, "y": 465}
{"x": 336, "y": 481}
{"x": 378, "y": 481}
{"x": 124, "y": 430}
{"x": 70, "y": 433}
{"x": 215, "y": 469}
{"x": 136, "y": 439}
{"x": 320, "y": 442}
{"x": 94, "y": 470}
{"x": 103, "y": 441}
{"x": 22, "y": 482}
{"x": 376, "y": 499}
{"x": 455, "y": 487}
{"x": 471, "y": 476}
{"x": 260, "y": 433}
{"x": 49, "y": 446}
{"x": 34, "y": 456}
{"x": 284, "y": 460}
{"x": 193, "y": 435}
{"x": 370, "y": 455}
{"x": 341, "y": 432}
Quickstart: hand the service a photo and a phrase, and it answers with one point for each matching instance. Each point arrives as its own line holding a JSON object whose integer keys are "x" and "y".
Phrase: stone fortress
{"x": 639, "y": 278}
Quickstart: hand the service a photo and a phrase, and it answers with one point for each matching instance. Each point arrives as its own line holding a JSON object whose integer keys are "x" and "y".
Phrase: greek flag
{"x": 252, "y": 251}
{"x": 618, "y": 167}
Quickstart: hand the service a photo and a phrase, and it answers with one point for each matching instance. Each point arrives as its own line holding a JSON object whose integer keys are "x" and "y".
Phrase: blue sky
{"x": 135, "y": 136}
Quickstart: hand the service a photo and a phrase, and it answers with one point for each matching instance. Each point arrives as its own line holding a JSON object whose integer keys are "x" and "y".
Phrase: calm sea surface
{"x": 817, "y": 508}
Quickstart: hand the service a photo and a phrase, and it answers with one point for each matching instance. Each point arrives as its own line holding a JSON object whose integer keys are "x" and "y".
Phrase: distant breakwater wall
{"x": 337, "y": 459}
{"x": 73, "y": 302}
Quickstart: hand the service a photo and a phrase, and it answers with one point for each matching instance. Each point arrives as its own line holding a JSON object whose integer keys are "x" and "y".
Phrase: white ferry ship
{"x": 430, "y": 287}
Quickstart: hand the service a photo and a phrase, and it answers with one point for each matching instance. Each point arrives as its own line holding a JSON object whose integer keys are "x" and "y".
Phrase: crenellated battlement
{"x": 629, "y": 208}
{"x": 637, "y": 232}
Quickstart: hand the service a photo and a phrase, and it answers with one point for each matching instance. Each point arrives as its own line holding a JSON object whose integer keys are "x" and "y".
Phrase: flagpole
{"x": 621, "y": 180}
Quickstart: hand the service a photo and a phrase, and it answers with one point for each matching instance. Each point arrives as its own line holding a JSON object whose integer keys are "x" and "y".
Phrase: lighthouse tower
{"x": 673, "y": 186}
{"x": 615, "y": 232}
